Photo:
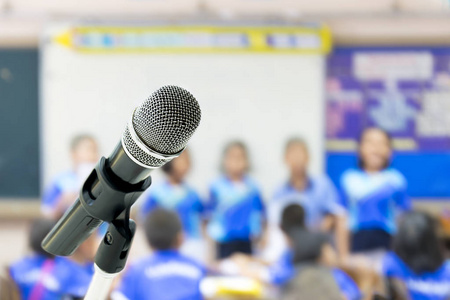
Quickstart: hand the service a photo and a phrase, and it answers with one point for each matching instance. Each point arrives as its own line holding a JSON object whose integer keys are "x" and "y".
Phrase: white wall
{"x": 260, "y": 98}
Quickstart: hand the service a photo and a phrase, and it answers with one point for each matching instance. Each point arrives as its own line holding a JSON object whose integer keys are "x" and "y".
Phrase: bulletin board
{"x": 405, "y": 91}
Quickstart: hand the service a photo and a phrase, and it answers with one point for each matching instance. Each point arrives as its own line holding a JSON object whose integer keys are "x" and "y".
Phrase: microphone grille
{"x": 164, "y": 123}
{"x": 167, "y": 119}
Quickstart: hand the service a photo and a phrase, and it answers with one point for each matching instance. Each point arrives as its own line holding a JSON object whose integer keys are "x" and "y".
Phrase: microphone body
{"x": 157, "y": 133}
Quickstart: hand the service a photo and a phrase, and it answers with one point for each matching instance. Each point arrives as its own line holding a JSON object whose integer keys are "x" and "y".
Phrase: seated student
{"x": 315, "y": 273}
{"x": 316, "y": 194}
{"x": 416, "y": 268}
{"x": 166, "y": 274}
{"x": 40, "y": 276}
{"x": 281, "y": 271}
{"x": 64, "y": 189}
{"x": 29, "y": 271}
{"x": 237, "y": 212}
{"x": 175, "y": 194}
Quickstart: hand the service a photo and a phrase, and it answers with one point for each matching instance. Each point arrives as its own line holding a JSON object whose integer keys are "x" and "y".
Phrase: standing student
{"x": 374, "y": 194}
{"x": 175, "y": 194}
{"x": 65, "y": 187}
{"x": 416, "y": 268}
{"x": 316, "y": 194}
{"x": 237, "y": 213}
{"x": 166, "y": 274}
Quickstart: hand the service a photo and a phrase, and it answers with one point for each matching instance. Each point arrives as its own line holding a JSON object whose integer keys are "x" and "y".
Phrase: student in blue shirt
{"x": 175, "y": 194}
{"x": 236, "y": 209}
{"x": 64, "y": 189}
{"x": 374, "y": 194}
{"x": 416, "y": 268}
{"x": 316, "y": 194}
{"x": 43, "y": 277}
{"x": 166, "y": 274}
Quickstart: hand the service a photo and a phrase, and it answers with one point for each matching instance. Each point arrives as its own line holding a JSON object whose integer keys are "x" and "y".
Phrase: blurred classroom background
{"x": 263, "y": 71}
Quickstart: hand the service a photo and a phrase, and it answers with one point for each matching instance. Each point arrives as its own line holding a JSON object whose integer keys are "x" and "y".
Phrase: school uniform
{"x": 426, "y": 286}
{"x": 165, "y": 275}
{"x": 236, "y": 212}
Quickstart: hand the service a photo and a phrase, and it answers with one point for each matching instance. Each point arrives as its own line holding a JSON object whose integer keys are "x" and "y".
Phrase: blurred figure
{"x": 317, "y": 195}
{"x": 307, "y": 250}
{"x": 175, "y": 194}
{"x": 416, "y": 269}
{"x": 30, "y": 273}
{"x": 41, "y": 276}
{"x": 374, "y": 194}
{"x": 237, "y": 212}
{"x": 64, "y": 189}
{"x": 315, "y": 273}
{"x": 166, "y": 274}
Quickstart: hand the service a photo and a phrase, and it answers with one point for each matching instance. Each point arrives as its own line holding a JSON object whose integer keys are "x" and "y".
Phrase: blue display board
{"x": 405, "y": 91}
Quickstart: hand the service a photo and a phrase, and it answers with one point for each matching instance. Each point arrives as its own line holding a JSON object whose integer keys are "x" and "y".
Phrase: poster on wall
{"x": 404, "y": 91}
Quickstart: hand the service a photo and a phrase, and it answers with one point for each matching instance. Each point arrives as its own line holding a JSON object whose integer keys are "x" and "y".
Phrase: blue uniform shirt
{"x": 319, "y": 199}
{"x": 182, "y": 199}
{"x": 51, "y": 279}
{"x": 374, "y": 200}
{"x": 236, "y": 210}
{"x": 65, "y": 182}
{"x": 427, "y": 286}
{"x": 346, "y": 285}
{"x": 165, "y": 275}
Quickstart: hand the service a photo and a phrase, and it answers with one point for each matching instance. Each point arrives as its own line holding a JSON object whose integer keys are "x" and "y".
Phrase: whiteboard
{"x": 262, "y": 99}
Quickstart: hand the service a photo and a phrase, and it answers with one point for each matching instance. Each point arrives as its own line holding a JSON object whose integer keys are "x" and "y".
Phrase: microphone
{"x": 158, "y": 131}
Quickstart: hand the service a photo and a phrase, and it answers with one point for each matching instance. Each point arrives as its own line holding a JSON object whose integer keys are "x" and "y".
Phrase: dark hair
{"x": 307, "y": 246}
{"x": 38, "y": 230}
{"x": 162, "y": 228}
{"x": 292, "y": 217}
{"x": 232, "y": 144}
{"x": 360, "y": 138}
{"x": 295, "y": 140}
{"x": 76, "y": 140}
{"x": 417, "y": 243}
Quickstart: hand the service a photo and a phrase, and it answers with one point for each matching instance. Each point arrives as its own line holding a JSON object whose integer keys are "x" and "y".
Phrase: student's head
{"x": 38, "y": 230}
{"x": 375, "y": 149}
{"x": 163, "y": 230}
{"x": 296, "y": 156}
{"x": 312, "y": 247}
{"x": 177, "y": 169}
{"x": 292, "y": 217}
{"x": 84, "y": 149}
{"x": 235, "y": 161}
{"x": 417, "y": 242}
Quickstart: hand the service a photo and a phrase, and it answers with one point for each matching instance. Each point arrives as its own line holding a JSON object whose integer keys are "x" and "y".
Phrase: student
{"x": 281, "y": 271}
{"x": 166, "y": 274}
{"x": 40, "y": 276}
{"x": 235, "y": 205}
{"x": 316, "y": 194}
{"x": 175, "y": 194}
{"x": 374, "y": 194}
{"x": 27, "y": 272}
{"x": 416, "y": 268}
{"x": 64, "y": 189}
{"x": 316, "y": 275}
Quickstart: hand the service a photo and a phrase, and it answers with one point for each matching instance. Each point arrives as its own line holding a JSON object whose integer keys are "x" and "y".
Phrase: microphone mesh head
{"x": 164, "y": 123}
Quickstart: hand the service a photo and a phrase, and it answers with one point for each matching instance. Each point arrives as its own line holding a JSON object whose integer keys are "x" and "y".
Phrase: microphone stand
{"x": 111, "y": 256}
{"x": 112, "y": 205}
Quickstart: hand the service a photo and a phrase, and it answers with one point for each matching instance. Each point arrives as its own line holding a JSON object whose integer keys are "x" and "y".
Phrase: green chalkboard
{"x": 19, "y": 124}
